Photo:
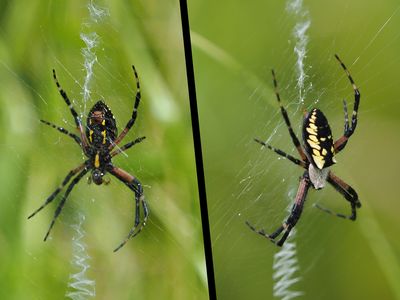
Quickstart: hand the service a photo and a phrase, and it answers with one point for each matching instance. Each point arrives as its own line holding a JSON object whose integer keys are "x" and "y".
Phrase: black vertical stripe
{"x": 197, "y": 149}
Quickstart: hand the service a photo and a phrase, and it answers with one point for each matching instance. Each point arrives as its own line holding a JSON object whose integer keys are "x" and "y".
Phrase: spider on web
{"x": 97, "y": 142}
{"x": 317, "y": 155}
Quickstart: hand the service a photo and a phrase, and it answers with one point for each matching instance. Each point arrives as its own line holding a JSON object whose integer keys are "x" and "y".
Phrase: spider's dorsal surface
{"x": 101, "y": 131}
{"x": 317, "y": 138}
{"x": 101, "y": 127}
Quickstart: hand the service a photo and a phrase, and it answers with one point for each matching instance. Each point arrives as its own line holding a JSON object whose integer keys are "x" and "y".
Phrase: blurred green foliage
{"x": 235, "y": 45}
{"x": 166, "y": 261}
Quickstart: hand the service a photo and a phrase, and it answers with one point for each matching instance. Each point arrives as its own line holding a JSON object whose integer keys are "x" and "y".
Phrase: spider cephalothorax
{"x": 98, "y": 141}
{"x": 317, "y": 155}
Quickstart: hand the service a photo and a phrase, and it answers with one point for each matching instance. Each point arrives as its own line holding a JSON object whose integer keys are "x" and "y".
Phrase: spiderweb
{"x": 246, "y": 182}
{"x": 92, "y": 53}
{"x": 99, "y": 81}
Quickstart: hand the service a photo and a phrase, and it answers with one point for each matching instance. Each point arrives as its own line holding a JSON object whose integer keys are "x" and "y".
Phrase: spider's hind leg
{"x": 273, "y": 235}
{"x": 64, "y": 199}
{"x": 71, "y": 173}
{"x": 294, "y": 216}
{"x": 348, "y": 193}
{"x": 133, "y": 184}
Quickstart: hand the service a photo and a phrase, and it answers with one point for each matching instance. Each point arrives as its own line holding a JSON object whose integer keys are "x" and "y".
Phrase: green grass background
{"x": 166, "y": 261}
{"x": 235, "y": 44}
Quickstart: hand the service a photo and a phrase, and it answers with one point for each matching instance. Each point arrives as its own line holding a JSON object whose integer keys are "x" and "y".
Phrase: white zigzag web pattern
{"x": 285, "y": 264}
{"x": 80, "y": 287}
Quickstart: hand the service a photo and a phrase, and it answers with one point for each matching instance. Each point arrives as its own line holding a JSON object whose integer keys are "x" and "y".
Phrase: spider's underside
{"x": 97, "y": 142}
{"x": 317, "y": 155}
{"x": 318, "y": 177}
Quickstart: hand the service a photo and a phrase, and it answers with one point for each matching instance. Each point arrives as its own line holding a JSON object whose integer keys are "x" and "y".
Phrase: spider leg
{"x": 348, "y": 130}
{"x": 134, "y": 113}
{"x": 57, "y": 191}
{"x": 64, "y": 198}
{"x": 295, "y": 140}
{"x": 294, "y": 216}
{"x": 348, "y": 193}
{"x": 127, "y": 146}
{"x": 341, "y": 142}
{"x": 73, "y": 112}
{"x": 62, "y": 130}
{"x": 134, "y": 185}
{"x": 282, "y": 153}
{"x": 261, "y": 232}
{"x": 346, "y": 117}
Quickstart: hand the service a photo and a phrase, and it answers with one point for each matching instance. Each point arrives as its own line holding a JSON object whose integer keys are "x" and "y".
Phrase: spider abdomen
{"x": 101, "y": 127}
{"x": 317, "y": 139}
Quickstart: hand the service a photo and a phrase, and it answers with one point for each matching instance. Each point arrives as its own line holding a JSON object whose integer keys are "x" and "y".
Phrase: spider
{"x": 317, "y": 155}
{"x": 97, "y": 142}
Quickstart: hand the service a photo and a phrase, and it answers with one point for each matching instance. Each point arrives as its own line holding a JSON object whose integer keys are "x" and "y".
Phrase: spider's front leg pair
{"x": 349, "y": 128}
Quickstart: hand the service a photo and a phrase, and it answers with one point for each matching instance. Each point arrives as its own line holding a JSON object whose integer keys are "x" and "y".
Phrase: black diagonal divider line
{"x": 197, "y": 148}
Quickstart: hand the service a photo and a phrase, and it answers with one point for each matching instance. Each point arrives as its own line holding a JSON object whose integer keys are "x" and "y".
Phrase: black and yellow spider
{"x": 97, "y": 142}
{"x": 317, "y": 156}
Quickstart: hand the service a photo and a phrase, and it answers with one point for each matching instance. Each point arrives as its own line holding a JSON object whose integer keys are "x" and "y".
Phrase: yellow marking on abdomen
{"x": 97, "y": 160}
{"x": 316, "y": 153}
{"x": 313, "y": 145}
{"x": 313, "y": 138}
{"x": 311, "y": 131}
{"x": 103, "y": 133}
{"x": 90, "y": 135}
{"x": 319, "y": 161}
{"x": 312, "y": 126}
